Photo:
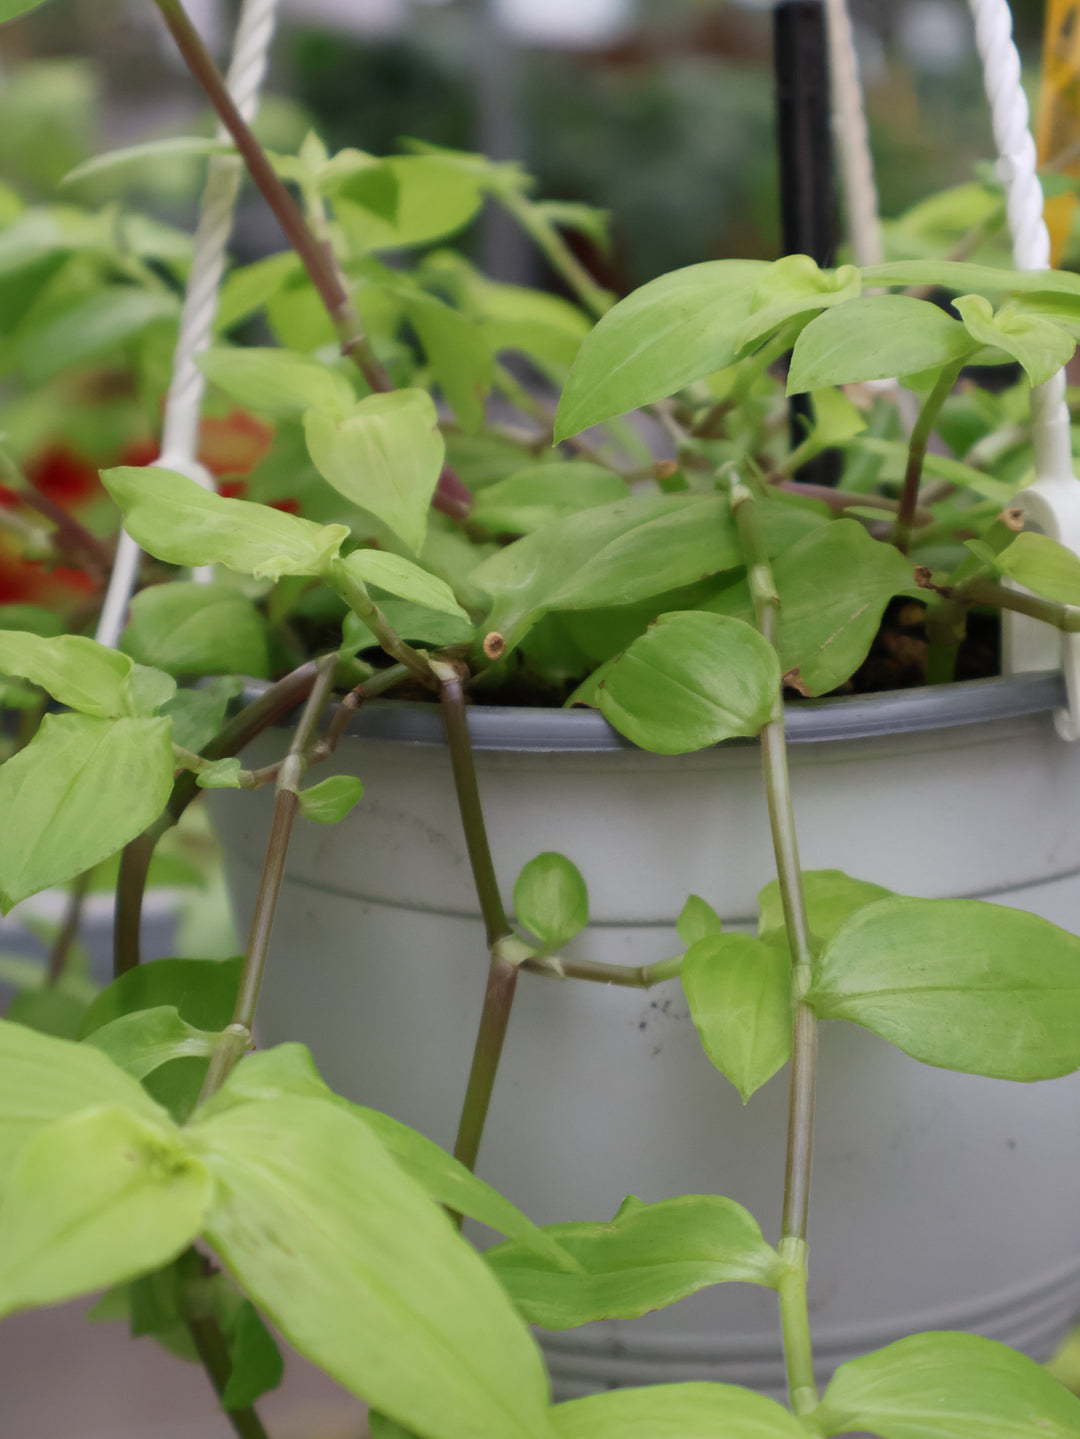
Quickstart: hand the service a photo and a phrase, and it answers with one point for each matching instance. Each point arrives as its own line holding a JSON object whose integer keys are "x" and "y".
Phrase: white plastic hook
{"x": 1052, "y": 503}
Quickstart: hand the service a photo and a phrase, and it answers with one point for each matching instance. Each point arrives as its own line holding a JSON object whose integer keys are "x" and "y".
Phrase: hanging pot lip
{"x": 586, "y": 731}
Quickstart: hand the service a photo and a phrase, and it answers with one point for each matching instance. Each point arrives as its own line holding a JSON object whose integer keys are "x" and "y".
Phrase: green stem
{"x": 502, "y": 972}
{"x": 920, "y": 437}
{"x": 364, "y": 607}
{"x": 213, "y": 1354}
{"x": 236, "y": 1039}
{"x": 627, "y": 976}
{"x": 988, "y": 592}
{"x": 798, "y": 1353}
{"x": 69, "y": 930}
{"x": 558, "y": 253}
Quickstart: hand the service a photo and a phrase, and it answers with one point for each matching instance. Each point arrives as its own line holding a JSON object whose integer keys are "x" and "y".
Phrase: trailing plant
{"x": 439, "y": 553}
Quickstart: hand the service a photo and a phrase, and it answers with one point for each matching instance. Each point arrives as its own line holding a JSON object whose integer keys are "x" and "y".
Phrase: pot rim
{"x": 585, "y": 731}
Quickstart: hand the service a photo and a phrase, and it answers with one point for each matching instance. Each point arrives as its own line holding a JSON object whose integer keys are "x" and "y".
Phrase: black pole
{"x": 807, "y": 188}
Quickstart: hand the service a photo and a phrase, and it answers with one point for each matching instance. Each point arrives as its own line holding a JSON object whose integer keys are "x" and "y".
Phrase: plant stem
{"x": 920, "y": 437}
{"x": 988, "y": 592}
{"x": 557, "y": 252}
{"x": 364, "y": 607}
{"x": 797, "y": 1348}
{"x": 83, "y": 550}
{"x": 502, "y": 972}
{"x": 451, "y": 495}
{"x": 279, "y": 699}
{"x": 69, "y": 930}
{"x": 627, "y": 976}
{"x": 236, "y": 1038}
{"x": 213, "y": 1354}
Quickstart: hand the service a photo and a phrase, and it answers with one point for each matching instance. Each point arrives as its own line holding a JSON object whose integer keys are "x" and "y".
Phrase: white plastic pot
{"x": 940, "y": 1200}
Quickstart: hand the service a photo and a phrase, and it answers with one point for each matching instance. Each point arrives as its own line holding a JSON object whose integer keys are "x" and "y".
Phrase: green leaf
{"x": 1042, "y": 565}
{"x": 78, "y": 672}
{"x": 460, "y": 356}
{"x": 433, "y": 199}
{"x": 221, "y": 774}
{"x": 251, "y": 287}
{"x": 257, "y": 1365}
{"x": 109, "y": 318}
{"x": 962, "y": 277}
{"x": 673, "y": 330}
{"x": 551, "y": 900}
{"x": 610, "y": 555}
{"x": 203, "y": 991}
{"x": 331, "y": 800}
{"x": 278, "y": 382}
{"x": 140, "y": 1043}
{"x": 948, "y": 1386}
{"x": 697, "y": 921}
{"x": 958, "y": 983}
{"x": 382, "y": 1428}
{"x": 175, "y": 147}
{"x": 1041, "y": 346}
{"x": 412, "y": 622}
{"x": 43, "y": 1079}
{"x": 288, "y": 1070}
{"x": 794, "y": 286}
{"x": 676, "y": 1411}
{"x": 10, "y": 8}
{"x": 647, "y": 1257}
{"x": 362, "y": 1273}
{"x": 192, "y": 629}
{"x": 35, "y": 618}
{"x": 198, "y": 714}
{"x": 831, "y": 896}
{"x": 183, "y": 524}
{"x": 385, "y": 456}
{"x": 876, "y": 337}
{"x": 825, "y": 630}
{"x": 691, "y": 680}
{"x": 79, "y": 791}
{"x": 94, "y": 1200}
{"x": 532, "y": 498}
{"x": 739, "y": 992}
{"x": 401, "y": 577}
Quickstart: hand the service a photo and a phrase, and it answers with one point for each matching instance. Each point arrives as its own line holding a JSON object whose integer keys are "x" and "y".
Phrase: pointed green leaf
{"x": 958, "y": 983}
{"x": 532, "y": 498}
{"x": 460, "y": 356}
{"x": 962, "y": 277}
{"x": 364, "y": 1275}
{"x": 739, "y": 992}
{"x": 94, "y": 1200}
{"x": 678, "y": 328}
{"x": 876, "y": 337}
{"x": 948, "y": 1386}
{"x": 676, "y": 1411}
{"x": 1042, "y": 565}
{"x": 257, "y": 1365}
{"x": 331, "y": 800}
{"x": 434, "y": 198}
{"x": 79, "y": 791}
{"x": 175, "y": 147}
{"x": 179, "y": 522}
{"x": 401, "y": 577}
{"x": 697, "y": 921}
{"x": 43, "y": 1079}
{"x": 831, "y": 896}
{"x": 825, "y": 630}
{"x": 140, "y": 1043}
{"x": 691, "y": 680}
{"x": 78, "y": 672}
{"x": 278, "y": 382}
{"x": 202, "y": 990}
{"x": 412, "y": 622}
{"x": 551, "y": 900}
{"x": 385, "y": 456}
{"x": 109, "y": 318}
{"x": 198, "y": 714}
{"x": 288, "y": 1069}
{"x": 647, "y": 1257}
{"x": 221, "y": 774}
{"x": 192, "y": 629}
{"x": 794, "y": 286}
{"x": 1041, "y": 346}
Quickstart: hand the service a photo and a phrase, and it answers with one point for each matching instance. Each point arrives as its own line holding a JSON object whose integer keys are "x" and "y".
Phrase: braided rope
{"x": 180, "y": 432}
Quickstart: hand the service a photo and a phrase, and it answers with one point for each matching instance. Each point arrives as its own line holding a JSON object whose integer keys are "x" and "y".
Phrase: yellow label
{"x": 1057, "y": 131}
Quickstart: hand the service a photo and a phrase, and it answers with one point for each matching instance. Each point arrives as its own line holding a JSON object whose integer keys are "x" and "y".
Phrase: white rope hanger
{"x": 180, "y": 432}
